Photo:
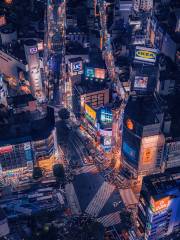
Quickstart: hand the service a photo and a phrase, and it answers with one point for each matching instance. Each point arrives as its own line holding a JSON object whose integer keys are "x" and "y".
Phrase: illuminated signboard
{"x": 106, "y": 115}
{"x": 33, "y": 50}
{"x": 159, "y": 205}
{"x": 76, "y": 67}
{"x": 100, "y": 73}
{"x": 129, "y": 124}
{"x": 40, "y": 46}
{"x": 89, "y": 72}
{"x": 129, "y": 151}
{"x": 145, "y": 54}
{"x": 149, "y": 148}
{"x": 27, "y": 146}
{"x": 140, "y": 83}
{"x": 148, "y": 155}
{"x": 107, "y": 141}
{"x": 91, "y": 113}
{"x": 6, "y": 149}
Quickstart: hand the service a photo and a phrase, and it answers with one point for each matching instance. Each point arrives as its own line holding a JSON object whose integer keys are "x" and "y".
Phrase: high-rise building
{"x": 159, "y": 205}
{"x": 27, "y": 138}
{"x": 32, "y": 56}
{"x": 142, "y": 139}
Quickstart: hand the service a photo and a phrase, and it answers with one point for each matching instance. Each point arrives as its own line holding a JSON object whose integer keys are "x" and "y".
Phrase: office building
{"x": 142, "y": 138}
{"x": 32, "y": 57}
{"x": 27, "y": 138}
{"x": 159, "y": 205}
{"x": 94, "y": 94}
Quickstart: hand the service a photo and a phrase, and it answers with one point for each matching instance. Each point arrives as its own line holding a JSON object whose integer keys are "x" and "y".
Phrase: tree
{"x": 58, "y": 171}
{"x": 37, "y": 173}
{"x": 64, "y": 114}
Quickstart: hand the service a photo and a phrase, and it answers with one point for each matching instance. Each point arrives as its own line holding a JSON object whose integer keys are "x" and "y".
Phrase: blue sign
{"x": 76, "y": 67}
{"x": 28, "y": 155}
{"x": 106, "y": 115}
{"x": 130, "y": 152}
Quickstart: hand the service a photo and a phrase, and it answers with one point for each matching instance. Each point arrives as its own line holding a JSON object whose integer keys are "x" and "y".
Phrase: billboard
{"x": 89, "y": 72}
{"x": 149, "y": 149}
{"x": 159, "y": 205}
{"x": 6, "y": 149}
{"x": 129, "y": 124}
{"x": 28, "y": 152}
{"x": 77, "y": 68}
{"x": 129, "y": 151}
{"x": 100, "y": 73}
{"x": 90, "y": 112}
{"x": 106, "y": 115}
{"x": 148, "y": 155}
{"x": 33, "y": 50}
{"x": 145, "y": 54}
{"x": 140, "y": 83}
{"x": 107, "y": 140}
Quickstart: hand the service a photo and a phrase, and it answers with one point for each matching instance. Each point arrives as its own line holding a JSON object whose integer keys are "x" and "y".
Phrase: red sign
{"x": 6, "y": 149}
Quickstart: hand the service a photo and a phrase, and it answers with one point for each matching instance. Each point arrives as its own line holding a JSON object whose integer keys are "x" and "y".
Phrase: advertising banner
{"x": 77, "y": 68}
{"x": 106, "y": 115}
{"x": 33, "y": 50}
{"x": 129, "y": 151}
{"x": 6, "y": 149}
{"x": 159, "y": 205}
{"x": 140, "y": 83}
{"x": 91, "y": 113}
{"x": 90, "y": 72}
{"x": 145, "y": 54}
{"x": 107, "y": 140}
{"x": 100, "y": 73}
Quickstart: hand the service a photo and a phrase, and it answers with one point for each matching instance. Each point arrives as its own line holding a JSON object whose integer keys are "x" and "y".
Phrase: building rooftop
{"x": 88, "y": 87}
{"x": 23, "y": 127}
{"x": 96, "y": 60}
{"x": 15, "y": 50}
{"x": 74, "y": 48}
{"x": 143, "y": 110}
{"x": 159, "y": 184}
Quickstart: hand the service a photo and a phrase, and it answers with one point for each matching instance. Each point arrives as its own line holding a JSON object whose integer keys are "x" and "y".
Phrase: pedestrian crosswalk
{"x": 100, "y": 199}
{"x": 86, "y": 169}
{"x": 56, "y": 115}
{"x": 72, "y": 199}
{"x": 110, "y": 219}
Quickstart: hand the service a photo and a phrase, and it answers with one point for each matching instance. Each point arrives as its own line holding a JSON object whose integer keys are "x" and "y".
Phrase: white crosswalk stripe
{"x": 100, "y": 199}
{"x": 110, "y": 219}
{"x": 72, "y": 199}
{"x": 86, "y": 169}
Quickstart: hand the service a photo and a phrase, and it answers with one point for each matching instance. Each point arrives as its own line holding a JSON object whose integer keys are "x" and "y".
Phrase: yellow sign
{"x": 160, "y": 205}
{"x": 145, "y": 54}
{"x": 90, "y": 111}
